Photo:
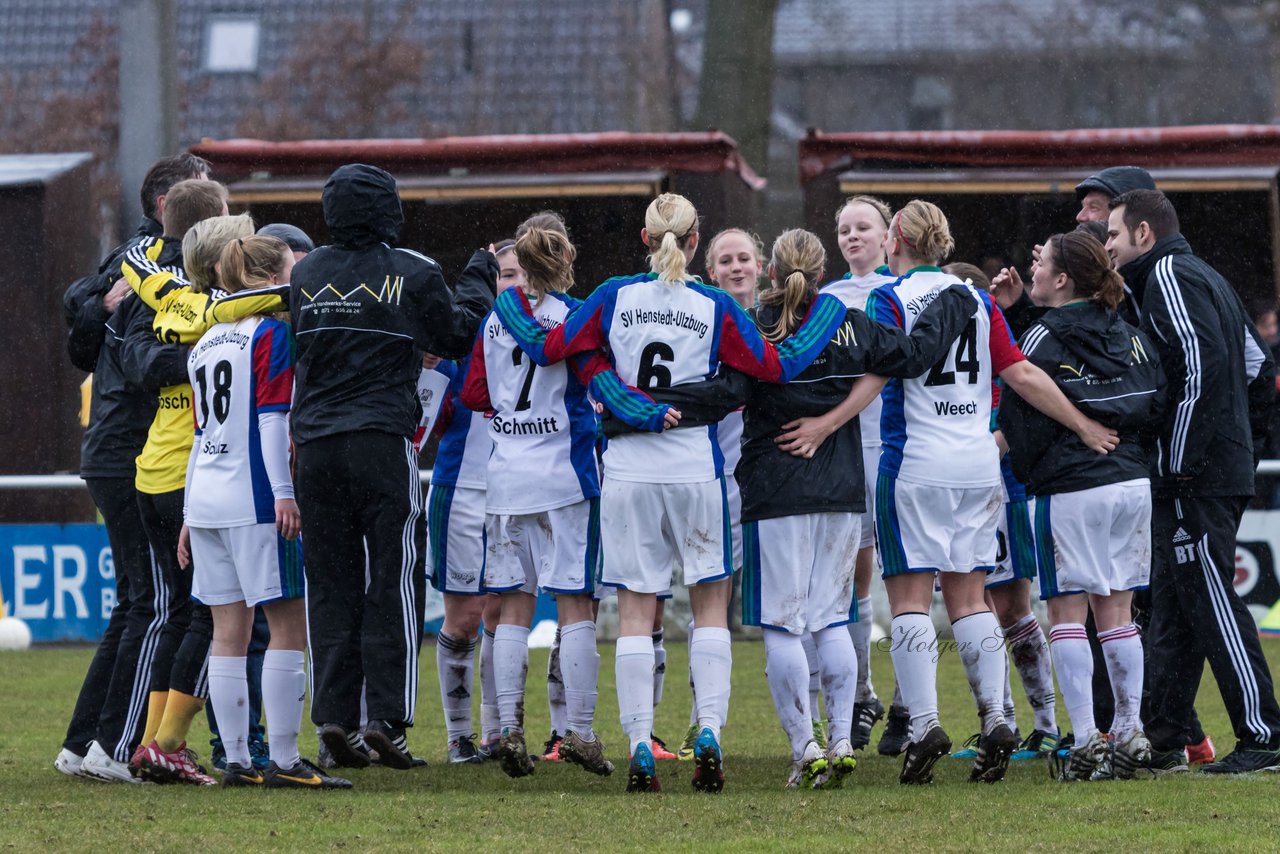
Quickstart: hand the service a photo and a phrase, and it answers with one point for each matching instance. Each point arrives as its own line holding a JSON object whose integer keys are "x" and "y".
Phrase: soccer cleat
{"x": 260, "y": 753}
{"x": 994, "y": 750}
{"x": 1106, "y": 767}
{"x": 865, "y": 716}
{"x": 642, "y": 773}
{"x": 970, "y": 748}
{"x": 708, "y": 769}
{"x": 464, "y": 751}
{"x": 1244, "y": 760}
{"x": 588, "y": 754}
{"x": 304, "y": 775}
{"x": 820, "y": 733}
{"x": 135, "y": 761}
{"x": 806, "y": 771}
{"x": 218, "y": 754}
{"x": 917, "y": 765}
{"x": 342, "y": 748}
{"x": 513, "y": 756}
{"x": 897, "y": 732}
{"x": 551, "y": 750}
{"x": 686, "y": 747}
{"x": 488, "y": 750}
{"x": 659, "y": 748}
{"x": 234, "y": 774}
{"x": 1168, "y": 762}
{"x": 1130, "y": 756}
{"x": 1038, "y": 745}
{"x": 69, "y": 763}
{"x": 179, "y": 766}
{"x": 840, "y": 764}
{"x": 99, "y": 766}
{"x": 1079, "y": 761}
{"x": 1202, "y": 753}
{"x": 389, "y": 741}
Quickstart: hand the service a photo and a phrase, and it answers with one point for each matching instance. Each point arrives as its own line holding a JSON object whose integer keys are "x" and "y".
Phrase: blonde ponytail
{"x": 671, "y": 221}
{"x": 797, "y": 261}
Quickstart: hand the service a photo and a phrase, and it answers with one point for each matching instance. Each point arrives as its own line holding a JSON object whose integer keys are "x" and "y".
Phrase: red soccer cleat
{"x": 1202, "y": 753}
{"x": 659, "y": 748}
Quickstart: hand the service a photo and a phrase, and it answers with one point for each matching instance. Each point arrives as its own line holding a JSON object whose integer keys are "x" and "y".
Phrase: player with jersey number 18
{"x": 241, "y": 522}
{"x": 938, "y": 496}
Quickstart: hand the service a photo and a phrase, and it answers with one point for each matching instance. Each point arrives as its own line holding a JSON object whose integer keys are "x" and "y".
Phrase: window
{"x": 231, "y": 45}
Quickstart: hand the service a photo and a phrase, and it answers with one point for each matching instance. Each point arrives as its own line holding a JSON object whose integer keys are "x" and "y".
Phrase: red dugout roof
{"x": 545, "y": 153}
{"x": 1200, "y": 145}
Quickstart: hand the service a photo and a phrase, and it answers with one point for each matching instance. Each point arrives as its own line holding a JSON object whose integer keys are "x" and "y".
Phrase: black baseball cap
{"x": 295, "y": 237}
{"x": 1116, "y": 181}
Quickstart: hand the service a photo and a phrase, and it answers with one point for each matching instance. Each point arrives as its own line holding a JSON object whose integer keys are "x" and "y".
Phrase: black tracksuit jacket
{"x": 1220, "y": 373}
{"x": 1111, "y": 372}
{"x": 363, "y": 313}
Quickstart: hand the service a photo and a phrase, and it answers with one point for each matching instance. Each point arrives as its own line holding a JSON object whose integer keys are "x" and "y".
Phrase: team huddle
{"x": 959, "y": 433}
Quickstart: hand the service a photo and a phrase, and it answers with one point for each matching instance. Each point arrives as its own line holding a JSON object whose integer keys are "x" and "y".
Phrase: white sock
{"x": 510, "y": 669}
{"x": 455, "y": 666}
{"x": 1010, "y": 712}
{"x": 787, "y": 671}
{"x": 711, "y": 660}
{"x": 1122, "y": 649}
{"x": 815, "y": 675}
{"x": 914, "y": 650}
{"x": 1030, "y": 653}
{"x": 860, "y": 633}
{"x": 693, "y": 694}
{"x": 284, "y": 690}
{"x": 580, "y": 669}
{"x": 981, "y": 645}
{"x": 659, "y": 667}
{"x": 490, "y": 728}
{"x": 633, "y": 671}
{"x": 555, "y": 690}
{"x": 839, "y": 679}
{"x": 1074, "y": 662}
{"x": 229, "y": 694}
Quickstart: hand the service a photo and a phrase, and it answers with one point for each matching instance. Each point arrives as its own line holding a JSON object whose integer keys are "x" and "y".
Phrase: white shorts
{"x": 734, "y": 496}
{"x": 798, "y": 575}
{"x": 649, "y": 528}
{"x": 555, "y": 550}
{"x": 1015, "y": 546}
{"x": 456, "y": 539}
{"x": 870, "y": 466}
{"x": 1094, "y": 540}
{"x": 248, "y": 563}
{"x": 923, "y": 528}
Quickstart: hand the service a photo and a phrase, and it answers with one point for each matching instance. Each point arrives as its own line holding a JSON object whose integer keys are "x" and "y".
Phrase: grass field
{"x": 562, "y": 808}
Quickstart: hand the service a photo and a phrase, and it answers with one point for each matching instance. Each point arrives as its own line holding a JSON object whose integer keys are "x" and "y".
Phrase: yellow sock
{"x": 155, "y": 714}
{"x": 179, "y": 711}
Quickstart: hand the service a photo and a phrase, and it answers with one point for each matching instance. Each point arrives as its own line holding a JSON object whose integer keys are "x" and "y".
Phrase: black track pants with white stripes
{"x": 121, "y": 712}
{"x": 1196, "y": 614}
{"x": 358, "y": 490}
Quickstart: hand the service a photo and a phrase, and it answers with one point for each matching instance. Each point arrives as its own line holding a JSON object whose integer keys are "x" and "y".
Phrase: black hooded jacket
{"x": 1110, "y": 371}
{"x": 1220, "y": 372}
{"x": 364, "y": 312}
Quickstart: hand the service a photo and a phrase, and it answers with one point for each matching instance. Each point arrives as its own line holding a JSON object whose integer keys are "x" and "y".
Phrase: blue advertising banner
{"x": 59, "y": 579}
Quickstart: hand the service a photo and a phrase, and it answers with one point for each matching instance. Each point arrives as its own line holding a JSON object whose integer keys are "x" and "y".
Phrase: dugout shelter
{"x": 45, "y": 200}
{"x": 1004, "y": 191}
{"x": 461, "y": 193}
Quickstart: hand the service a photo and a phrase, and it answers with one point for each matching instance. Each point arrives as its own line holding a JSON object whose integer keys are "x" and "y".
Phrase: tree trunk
{"x": 735, "y": 93}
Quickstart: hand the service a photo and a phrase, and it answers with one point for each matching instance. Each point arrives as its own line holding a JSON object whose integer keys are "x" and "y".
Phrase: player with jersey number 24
{"x": 241, "y": 522}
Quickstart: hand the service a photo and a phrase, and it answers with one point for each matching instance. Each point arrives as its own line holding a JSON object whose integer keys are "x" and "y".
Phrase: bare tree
{"x": 735, "y": 93}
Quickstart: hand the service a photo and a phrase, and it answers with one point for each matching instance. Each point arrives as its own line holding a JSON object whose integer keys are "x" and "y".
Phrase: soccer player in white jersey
{"x": 801, "y": 515}
{"x": 663, "y": 499}
{"x": 456, "y": 548}
{"x": 542, "y": 506}
{"x": 242, "y": 524}
{"x": 938, "y": 493}
{"x": 1093, "y": 515}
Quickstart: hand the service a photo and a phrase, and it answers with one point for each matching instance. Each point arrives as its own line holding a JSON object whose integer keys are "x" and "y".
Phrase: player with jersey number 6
{"x": 241, "y": 522}
{"x": 663, "y": 500}
{"x": 938, "y": 496}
